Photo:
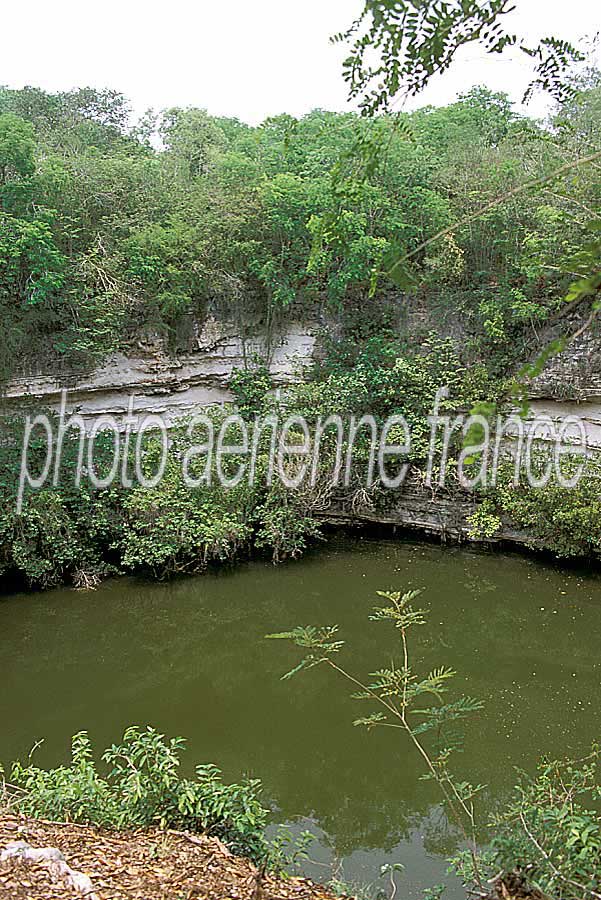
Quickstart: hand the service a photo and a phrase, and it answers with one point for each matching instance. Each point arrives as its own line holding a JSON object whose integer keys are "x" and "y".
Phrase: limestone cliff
{"x": 175, "y": 386}
{"x": 170, "y": 386}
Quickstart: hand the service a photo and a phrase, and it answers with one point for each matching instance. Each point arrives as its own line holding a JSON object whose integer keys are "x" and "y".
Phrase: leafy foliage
{"x": 398, "y": 693}
{"x": 114, "y": 234}
{"x": 142, "y": 787}
{"x": 250, "y": 387}
{"x": 76, "y": 532}
{"x": 551, "y": 828}
{"x": 564, "y": 519}
{"x": 416, "y": 40}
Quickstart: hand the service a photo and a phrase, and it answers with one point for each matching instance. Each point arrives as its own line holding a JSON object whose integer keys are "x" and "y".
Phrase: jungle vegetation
{"x": 115, "y": 233}
{"x": 118, "y": 235}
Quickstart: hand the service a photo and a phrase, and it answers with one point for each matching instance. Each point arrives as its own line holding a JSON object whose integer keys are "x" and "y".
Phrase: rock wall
{"x": 170, "y": 386}
{"x": 570, "y": 385}
{"x": 419, "y": 509}
{"x": 175, "y": 387}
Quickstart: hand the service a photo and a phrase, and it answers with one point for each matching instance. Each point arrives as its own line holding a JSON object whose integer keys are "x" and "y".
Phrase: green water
{"x": 190, "y": 658}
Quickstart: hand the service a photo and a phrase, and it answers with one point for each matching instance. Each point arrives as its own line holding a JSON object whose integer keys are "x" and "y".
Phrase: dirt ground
{"x": 150, "y": 865}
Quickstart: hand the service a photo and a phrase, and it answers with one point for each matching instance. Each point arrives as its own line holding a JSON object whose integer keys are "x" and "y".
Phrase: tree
{"x": 17, "y": 148}
{"x": 192, "y": 138}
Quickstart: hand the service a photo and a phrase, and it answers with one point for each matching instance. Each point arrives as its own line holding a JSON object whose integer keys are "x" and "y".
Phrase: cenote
{"x": 190, "y": 657}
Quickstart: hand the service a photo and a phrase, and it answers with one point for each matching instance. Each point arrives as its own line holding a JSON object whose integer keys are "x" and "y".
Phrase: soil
{"x": 148, "y": 865}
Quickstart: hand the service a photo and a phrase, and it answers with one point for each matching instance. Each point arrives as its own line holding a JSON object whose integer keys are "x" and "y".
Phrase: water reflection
{"x": 190, "y": 657}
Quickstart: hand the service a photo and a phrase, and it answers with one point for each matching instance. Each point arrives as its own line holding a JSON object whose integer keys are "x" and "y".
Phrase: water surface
{"x": 190, "y": 657}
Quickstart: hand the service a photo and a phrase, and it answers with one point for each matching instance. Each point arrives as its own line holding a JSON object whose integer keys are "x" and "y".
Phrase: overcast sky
{"x": 244, "y": 58}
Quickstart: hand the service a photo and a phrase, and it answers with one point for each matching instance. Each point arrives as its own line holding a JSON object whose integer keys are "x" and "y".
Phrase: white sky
{"x": 244, "y": 58}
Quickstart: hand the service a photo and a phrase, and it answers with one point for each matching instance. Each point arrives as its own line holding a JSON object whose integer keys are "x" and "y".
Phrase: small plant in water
{"x": 398, "y": 693}
{"x": 546, "y": 840}
{"x": 287, "y": 851}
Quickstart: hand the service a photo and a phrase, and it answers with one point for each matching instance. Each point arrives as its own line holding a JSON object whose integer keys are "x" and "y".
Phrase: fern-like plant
{"x": 398, "y": 693}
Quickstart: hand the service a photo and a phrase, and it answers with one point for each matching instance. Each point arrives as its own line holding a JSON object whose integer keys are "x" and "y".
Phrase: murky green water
{"x": 190, "y": 658}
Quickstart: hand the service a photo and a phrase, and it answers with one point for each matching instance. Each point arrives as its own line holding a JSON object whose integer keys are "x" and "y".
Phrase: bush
{"x": 250, "y": 388}
{"x": 283, "y": 527}
{"x": 77, "y": 533}
{"x": 551, "y": 828}
{"x": 549, "y": 831}
{"x": 174, "y": 528}
{"x": 565, "y": 520}
{"x": 142, "y": 788}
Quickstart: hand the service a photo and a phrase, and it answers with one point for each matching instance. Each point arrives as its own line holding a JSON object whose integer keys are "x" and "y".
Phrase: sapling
{"x": 398, "y": 693}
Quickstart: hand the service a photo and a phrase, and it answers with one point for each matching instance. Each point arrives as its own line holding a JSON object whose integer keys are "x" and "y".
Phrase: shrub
{"x": 142, "y": 787}
{"x": 551, "y": 828}
{"x": 250, "y": 387}
{"x": 283, "y": 526}
{"x": 566, "y": 520}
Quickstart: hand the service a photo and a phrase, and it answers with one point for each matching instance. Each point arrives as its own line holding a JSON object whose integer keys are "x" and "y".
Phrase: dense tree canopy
{"x": 110, "y": 230}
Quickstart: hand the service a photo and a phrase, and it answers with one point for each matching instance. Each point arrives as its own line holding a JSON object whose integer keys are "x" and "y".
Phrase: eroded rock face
{"x": 175, "y": 387}
{"x": 171, "y": 387}
{"x": 574, "y": 374}
{"x": 417, "y": 508}
{"x": 570, "y": 385}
